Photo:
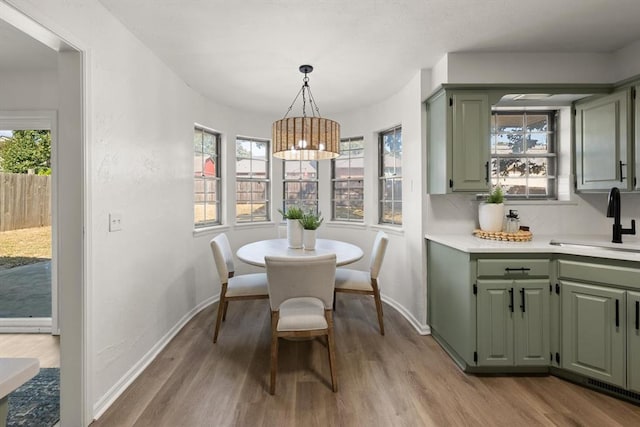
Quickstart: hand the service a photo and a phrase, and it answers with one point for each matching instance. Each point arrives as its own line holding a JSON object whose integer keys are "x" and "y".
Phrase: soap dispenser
{"x": 512, "y": 223}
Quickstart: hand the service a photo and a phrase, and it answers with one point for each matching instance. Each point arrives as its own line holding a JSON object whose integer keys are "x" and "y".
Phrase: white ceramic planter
{"x": 294, "y": 233}
{"x": 309, "y": 239}
{"x": 491, "y": 216}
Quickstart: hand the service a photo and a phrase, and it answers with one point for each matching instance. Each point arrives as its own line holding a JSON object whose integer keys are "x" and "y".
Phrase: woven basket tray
{"x": 518, "y": 236}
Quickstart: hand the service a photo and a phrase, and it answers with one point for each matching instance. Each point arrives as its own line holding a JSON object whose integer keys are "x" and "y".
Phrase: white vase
{"x": 309, "y": 239}
{"x": 491, "y": 216}
{"x": 294, "y": 233}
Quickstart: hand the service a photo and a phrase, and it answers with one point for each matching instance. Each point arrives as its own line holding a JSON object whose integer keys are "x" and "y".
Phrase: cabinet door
{"x": 471, "y": 117}
{"x": 495, "y": 305}
{"x": 633, "y": 341}
{"x": 603, "y": 143}
{"x": 594, "y": 332}
{"x": 531, "y": 322}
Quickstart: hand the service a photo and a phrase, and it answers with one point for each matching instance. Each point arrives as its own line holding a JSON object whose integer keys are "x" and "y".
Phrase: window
{"x": 390, "y": 176}
{"x": 523, "y": 158}
{"x": 252, "y": 180}
{"x": 300, "y": 185}
{"x": 206, "y": 164}
{"x": 347, "y": 174}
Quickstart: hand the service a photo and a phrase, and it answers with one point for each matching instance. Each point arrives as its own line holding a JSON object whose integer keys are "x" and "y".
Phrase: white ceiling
{"x": 246, "y": 53}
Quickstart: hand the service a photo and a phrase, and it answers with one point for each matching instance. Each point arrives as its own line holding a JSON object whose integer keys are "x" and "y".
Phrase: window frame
{"x": 251, "y": 179}
{"x": 382, "y": 179}
{"x": 348, "y": 180}
{"x": 551, "y": 155}
{"x": 216, "y": 179}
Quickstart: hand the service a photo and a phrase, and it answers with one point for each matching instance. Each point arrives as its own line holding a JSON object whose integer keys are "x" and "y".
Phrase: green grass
{"x": 26, "y": 246}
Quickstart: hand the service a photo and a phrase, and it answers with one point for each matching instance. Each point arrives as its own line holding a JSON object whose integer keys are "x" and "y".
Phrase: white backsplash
{"x": 585, "y": 214}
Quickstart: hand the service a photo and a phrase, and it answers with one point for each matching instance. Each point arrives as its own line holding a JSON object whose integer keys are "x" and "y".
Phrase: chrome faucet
{"x": 613, "y": 211}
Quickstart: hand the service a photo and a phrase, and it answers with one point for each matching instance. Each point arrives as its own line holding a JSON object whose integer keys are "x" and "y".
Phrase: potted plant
{"x": 294, "y": 228}
{"x": 491, "y": 211}
{"x": 310, "y": 223}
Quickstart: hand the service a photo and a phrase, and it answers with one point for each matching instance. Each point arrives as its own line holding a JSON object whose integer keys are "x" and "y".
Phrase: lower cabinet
{"x": 594, "y": 332}
{"x": 633, "y": 341}
{"x": 513, "y": 322}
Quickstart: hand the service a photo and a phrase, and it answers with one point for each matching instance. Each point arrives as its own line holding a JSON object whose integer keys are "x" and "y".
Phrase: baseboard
{"x": 119, "y": 387}
{"x": 25, "y": 325}
{"x": 422, "y": 329}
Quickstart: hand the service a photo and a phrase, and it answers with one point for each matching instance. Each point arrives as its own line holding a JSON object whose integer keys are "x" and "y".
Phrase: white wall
{"x": 29, "y": 90}
{"x": 402, "y": 281}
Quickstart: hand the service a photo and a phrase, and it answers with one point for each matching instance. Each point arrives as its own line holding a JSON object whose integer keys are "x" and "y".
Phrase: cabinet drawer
{"x": 609, "y": 274}
{"x": 513, "y": 267}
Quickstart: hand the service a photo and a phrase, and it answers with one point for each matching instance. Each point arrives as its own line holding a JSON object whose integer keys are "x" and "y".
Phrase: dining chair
{"x": 301, "y": 297}
{"x": 241, "y": 287}
{"x": 366, "y": 282}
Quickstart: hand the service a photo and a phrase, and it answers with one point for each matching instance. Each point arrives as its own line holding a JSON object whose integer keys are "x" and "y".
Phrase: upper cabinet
{"x": 636, "y": 108}
{"x": 458, "y": 141}
{"x": 604, "y": 142}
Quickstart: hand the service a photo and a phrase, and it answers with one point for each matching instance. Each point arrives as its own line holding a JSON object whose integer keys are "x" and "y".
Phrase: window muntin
{"x": 252, "y": 180}
{"x": 207, "y": 182}
{"x": 347, "y": 176}
{"x": 300, "y": 185}
{"x": 390, "y": 176}
{"x": 523, "y": 157}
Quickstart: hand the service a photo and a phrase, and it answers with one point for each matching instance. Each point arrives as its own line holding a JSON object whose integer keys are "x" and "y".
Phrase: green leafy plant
{"x": 294, "y": 212}
{"x": 311, "y": 221}
{"x": 496, "y": 195}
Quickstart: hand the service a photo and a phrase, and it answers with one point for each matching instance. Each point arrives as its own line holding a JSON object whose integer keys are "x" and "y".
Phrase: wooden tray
{"x": 518, "y": 236}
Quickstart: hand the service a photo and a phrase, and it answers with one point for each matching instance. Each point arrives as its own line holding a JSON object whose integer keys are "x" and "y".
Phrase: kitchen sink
{"x": 632, "y": 246}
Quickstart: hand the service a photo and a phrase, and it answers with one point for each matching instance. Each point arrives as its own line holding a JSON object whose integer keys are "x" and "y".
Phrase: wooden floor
{"x": 401, "y": 379}
{"x": 44, "y": 347}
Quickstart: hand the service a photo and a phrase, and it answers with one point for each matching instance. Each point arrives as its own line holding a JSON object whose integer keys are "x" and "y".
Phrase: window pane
{"x": 243, "y": 149}
{"x": 197, "y": 141}
{"x": 537, "y": 123}
{"x": 252, "y": 180}
{"x": 537, "y": 143}
{"x": 209, "y": 143}
{"x": 294, "y": 169}
{"x": 509, "y": 123}
{"x": 538, "y": 167}
{"x": 541, "y": 187}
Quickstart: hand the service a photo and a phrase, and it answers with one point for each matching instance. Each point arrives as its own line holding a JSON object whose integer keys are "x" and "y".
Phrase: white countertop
{"x": 16, "y": 371}
{"x": 541, "y": 244}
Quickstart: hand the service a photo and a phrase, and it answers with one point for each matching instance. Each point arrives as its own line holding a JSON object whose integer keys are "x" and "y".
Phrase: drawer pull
{"x": 637, "y": 315}
{"x": 486, "y": 171}
{"x": 522, "y": 296}
{"x": 617, "y": 313}
{"x": 521, "y": 269}
{"x": 511, "y": 300}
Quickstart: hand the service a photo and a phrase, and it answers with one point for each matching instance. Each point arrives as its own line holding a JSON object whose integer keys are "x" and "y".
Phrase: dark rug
{"x": 37, "y": 402}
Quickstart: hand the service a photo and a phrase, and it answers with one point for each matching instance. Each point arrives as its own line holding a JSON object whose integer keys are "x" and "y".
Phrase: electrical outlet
{"x": 115, "y": 221}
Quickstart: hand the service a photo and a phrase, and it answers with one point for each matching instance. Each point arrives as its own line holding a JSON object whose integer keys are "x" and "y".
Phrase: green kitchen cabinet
{"x": 594, "y": 331}
{"x": 603, "y": 142}
{"x": 513, "y": 322}
{"x": 636, "y": 121}
{"x": 633, "y": 341}
{"x": 458, "y": 131}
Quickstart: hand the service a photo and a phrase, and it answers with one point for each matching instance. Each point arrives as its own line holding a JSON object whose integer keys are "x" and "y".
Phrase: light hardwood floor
{"x": 43, "y": 347}
{"x": 400, "y": 379}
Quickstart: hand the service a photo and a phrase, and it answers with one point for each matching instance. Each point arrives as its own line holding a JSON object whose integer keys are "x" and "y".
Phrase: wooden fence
{"x": 25, "y": 201}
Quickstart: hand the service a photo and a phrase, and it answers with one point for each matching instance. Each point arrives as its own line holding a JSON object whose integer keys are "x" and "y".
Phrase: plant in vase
{"x": 310, "y": 223}
{"x": 293, "y": 215}
{"x": 491, "y": 211}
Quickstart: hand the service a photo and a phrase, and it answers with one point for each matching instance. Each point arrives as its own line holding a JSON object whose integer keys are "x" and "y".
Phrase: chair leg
{"x": 332, "y": 351}
{"x": 376, "y": 297}
{"x": 221, "y": 304}
{"x": 334, "y": 300}
{"x": 224, "y": 313}
{"x": 274, "y": 350}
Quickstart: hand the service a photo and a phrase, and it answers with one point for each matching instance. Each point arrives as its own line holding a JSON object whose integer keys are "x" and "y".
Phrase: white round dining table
{"x": 254, "y": 253}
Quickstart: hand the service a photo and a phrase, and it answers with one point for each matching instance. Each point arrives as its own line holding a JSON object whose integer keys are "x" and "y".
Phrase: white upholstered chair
{"x": 241, "y": 287}
{"x": 301, "y": 298}
{"x": 366, "y": 282}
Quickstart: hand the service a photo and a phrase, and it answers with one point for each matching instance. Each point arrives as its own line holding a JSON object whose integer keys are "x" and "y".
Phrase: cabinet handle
{"x": 511, "y": 300}
{"x": 522, "y": 269}
{"x": 622, "y": 178}
{"x": 486, "y": 172}
{"x": 617, "y": 313}
{"x": 522, "y": 296}
{"x": 637, "y": 315}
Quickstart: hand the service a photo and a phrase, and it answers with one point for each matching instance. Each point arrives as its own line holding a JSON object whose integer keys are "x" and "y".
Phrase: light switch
{"x": 115, "y": 221}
